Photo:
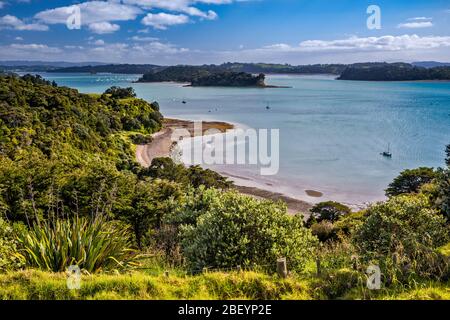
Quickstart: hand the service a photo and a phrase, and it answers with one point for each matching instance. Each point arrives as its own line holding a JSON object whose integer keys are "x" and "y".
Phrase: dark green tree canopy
{"x": 121, "y": 93}
{"x": 410, "y": 181}
{"x": 447, "y": 158}
{"x": 328, "y": 211}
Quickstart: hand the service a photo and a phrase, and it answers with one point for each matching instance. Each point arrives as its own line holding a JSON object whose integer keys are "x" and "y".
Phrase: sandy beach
{"x": 162, "y": 145}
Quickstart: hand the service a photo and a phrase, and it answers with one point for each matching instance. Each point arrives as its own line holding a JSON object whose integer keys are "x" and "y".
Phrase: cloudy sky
{"x": 216, "y": 31}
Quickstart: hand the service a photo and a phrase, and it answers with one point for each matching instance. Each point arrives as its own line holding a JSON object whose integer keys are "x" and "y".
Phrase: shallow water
{"x": 331, "y": 132}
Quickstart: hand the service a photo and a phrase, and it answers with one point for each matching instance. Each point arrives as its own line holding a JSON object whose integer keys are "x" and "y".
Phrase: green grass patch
{"x": 38, "y": 285}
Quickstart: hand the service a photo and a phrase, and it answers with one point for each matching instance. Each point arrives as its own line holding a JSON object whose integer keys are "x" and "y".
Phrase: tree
{"x": 327, "y": 211}
{"x": 166, "y": 168}
{"x": 208, "y": 178}
{"x": 410, "y": 181}
{"x": 447, "y": 159}
{"x": 443, "y": 192}
{"x": 121, "y": 93}
{"x": 150, "y": 202}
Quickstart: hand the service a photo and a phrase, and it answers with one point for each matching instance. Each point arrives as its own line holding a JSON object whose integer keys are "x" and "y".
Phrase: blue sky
{"x": 216, "y": 31}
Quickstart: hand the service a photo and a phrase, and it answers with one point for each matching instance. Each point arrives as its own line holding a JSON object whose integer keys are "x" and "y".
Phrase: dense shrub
{"x": 166, "y": 168}
{"x": 236, "y": 230}
{"x": 140, "y": 139}
{"x": 149, "y": 203}
{"x": 443, "y": 193}
{"x": 323, "y": 230}
{"x": 402, "y": 235}
{"x": 9, "y": 247}
{"x": 348, "y": 224}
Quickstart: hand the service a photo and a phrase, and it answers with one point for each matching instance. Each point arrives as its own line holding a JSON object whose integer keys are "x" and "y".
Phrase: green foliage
{"x": 323, "y": 230}
{"x": 327, "y": 211}
{"x": 447, "y": 158}
{"x": 402, "y": 235}
{"x": 443, "y": 192}
{"x": 229, "y": 79}
{"x": 36, "y": 114}
{"x": 204, "y": 76}
{"x": 166, "y": 168}
{"x": 121, "y": 93}
{"x": 35, "y": 187}
{"x": 140, "y": 139}
{"x": 150, "y": 203}
{"x": 349, "y": 223}
{"x": 9, "y": 257}
{"x": 235, "y": 230}
{"x": 410, "y": 181}
{"x": 393, "y": 72}
{"x": 197, "y": 176}
{"x": 92, "y": 244}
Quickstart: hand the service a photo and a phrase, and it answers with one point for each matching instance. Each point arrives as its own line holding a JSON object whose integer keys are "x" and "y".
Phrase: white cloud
{"x": 417, "y": 23}
{"x": 163, "y": 20}
{"x": 2, "y": 4}
{"x": 12, "y": 22}
{"x": 99, "y": 42}
{"x": 383, "y": 43}
{"x": 151, "y": 50}
{"x": 182, "y": 6}
{"x": 144, "y": 39}
{"x": 91, "y": 12}
{"x": 124, "y": 10}
{"x": 103, "y": 27}
{"x": 420, "y": 18}
{"x": 33, "y": 47}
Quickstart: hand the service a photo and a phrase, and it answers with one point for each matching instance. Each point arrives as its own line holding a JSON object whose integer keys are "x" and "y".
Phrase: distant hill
{"x": 111, "y": 68}
{"x": 284, "y": 68}
{"x": 431, "y": 64}
{"x": 393, "y": 72}
{"x": 179, "y": 74}
{"x": 255, "y": 68}
{"x": 55, "y": 64}
{"x": 39, "y": 66}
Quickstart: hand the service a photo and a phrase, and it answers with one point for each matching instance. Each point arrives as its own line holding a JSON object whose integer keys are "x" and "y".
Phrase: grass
{"x": 39, "y": 285}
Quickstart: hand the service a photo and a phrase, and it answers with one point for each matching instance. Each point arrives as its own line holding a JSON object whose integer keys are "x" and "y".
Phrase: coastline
{"x": 162, "y": 146}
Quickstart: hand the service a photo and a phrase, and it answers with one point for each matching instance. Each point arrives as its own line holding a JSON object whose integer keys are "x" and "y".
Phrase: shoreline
{"x": 162, "y": 146}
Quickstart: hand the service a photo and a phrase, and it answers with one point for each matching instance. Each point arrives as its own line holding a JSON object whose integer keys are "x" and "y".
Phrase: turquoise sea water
{"x": 332, "y": 132}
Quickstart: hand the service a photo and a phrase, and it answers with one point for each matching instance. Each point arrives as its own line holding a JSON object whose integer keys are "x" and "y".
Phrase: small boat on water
{"x": 387, "y": 154}
{"x": 183, "y": 102}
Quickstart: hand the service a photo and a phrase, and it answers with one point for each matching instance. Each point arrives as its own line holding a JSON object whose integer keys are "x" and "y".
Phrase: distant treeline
{"x": 184, "y": 73}
{"x": 394, "y": 72}
{"x": 255, "y": 68}
{"x": 111, "y": 68}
